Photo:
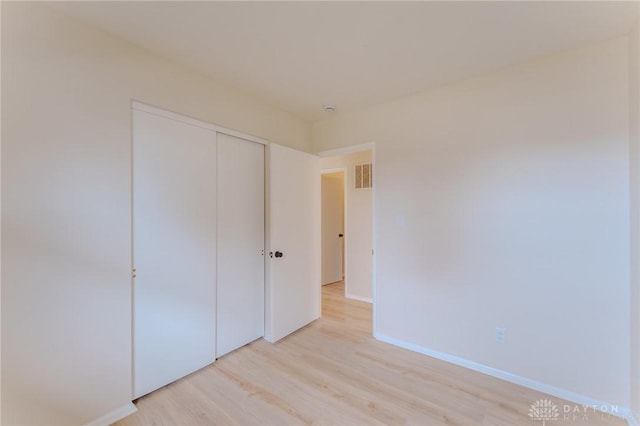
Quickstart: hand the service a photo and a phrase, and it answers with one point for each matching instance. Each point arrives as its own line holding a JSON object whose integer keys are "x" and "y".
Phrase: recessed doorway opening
{"x": 347, "y": 223}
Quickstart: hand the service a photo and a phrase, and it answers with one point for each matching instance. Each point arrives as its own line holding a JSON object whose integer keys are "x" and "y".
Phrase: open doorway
{"x": 332, "y": 189}
{"x": 347, "y": 224}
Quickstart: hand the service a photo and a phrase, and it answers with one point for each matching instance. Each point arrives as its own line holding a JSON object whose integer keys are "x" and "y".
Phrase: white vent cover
{"x": 364, "y": 176}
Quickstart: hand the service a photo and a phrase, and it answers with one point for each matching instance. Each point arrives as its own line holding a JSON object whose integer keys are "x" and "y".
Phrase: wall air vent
{"x": 364, "y": 176}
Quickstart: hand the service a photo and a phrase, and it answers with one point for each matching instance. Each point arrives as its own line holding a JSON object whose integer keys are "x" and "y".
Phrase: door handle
{"x": 340, "y": 235}
{"x": 279, "y": 254}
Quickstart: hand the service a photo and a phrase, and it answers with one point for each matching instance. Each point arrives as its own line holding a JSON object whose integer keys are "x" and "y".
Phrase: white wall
{"x": 514, "y": 187}
{"x": 634, "y": 138}
{"x": 66, "y": 209}
{"x": 359, "y": 226}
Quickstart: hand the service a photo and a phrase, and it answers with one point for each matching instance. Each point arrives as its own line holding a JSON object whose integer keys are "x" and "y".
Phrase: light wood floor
{"x": 333, "y": 372}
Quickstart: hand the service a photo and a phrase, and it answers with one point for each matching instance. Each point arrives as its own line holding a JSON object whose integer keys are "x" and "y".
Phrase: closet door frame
{"x": 195, "y": 122}
{"x": 140, "y": 106}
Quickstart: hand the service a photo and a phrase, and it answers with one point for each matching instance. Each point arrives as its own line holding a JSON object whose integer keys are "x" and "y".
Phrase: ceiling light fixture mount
{"x": 329, "y": 108}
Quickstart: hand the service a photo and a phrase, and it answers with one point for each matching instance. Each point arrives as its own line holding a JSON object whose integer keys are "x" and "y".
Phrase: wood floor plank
{"x": 333, "y": 372}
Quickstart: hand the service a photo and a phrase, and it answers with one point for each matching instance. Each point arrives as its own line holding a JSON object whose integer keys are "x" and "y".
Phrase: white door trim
{"x": 349, "y": 150}
{"x": 338, "y": 170}
{"x": 195, "y": 122}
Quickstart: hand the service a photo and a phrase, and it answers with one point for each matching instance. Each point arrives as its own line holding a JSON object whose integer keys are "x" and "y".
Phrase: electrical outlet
{"x": 500, "y": 335}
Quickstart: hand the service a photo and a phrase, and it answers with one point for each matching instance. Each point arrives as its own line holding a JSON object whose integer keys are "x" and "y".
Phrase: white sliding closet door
{"x": 240, "y": 294}
{"x": 174, "y": 231}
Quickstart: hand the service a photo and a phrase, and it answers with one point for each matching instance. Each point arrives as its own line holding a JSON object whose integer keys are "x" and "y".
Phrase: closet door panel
{"x": 174, "y": 220}
{"x": 240, "y": 282}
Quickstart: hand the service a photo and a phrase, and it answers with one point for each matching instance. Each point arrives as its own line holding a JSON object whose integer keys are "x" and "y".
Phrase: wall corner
{"x": 634, "y": 199}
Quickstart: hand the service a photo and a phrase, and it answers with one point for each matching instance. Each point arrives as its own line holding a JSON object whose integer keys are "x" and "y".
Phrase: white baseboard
{"x": 582, "y": 400}
{"x": 360, "y": 298}
{"x": 114, "y": 416}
